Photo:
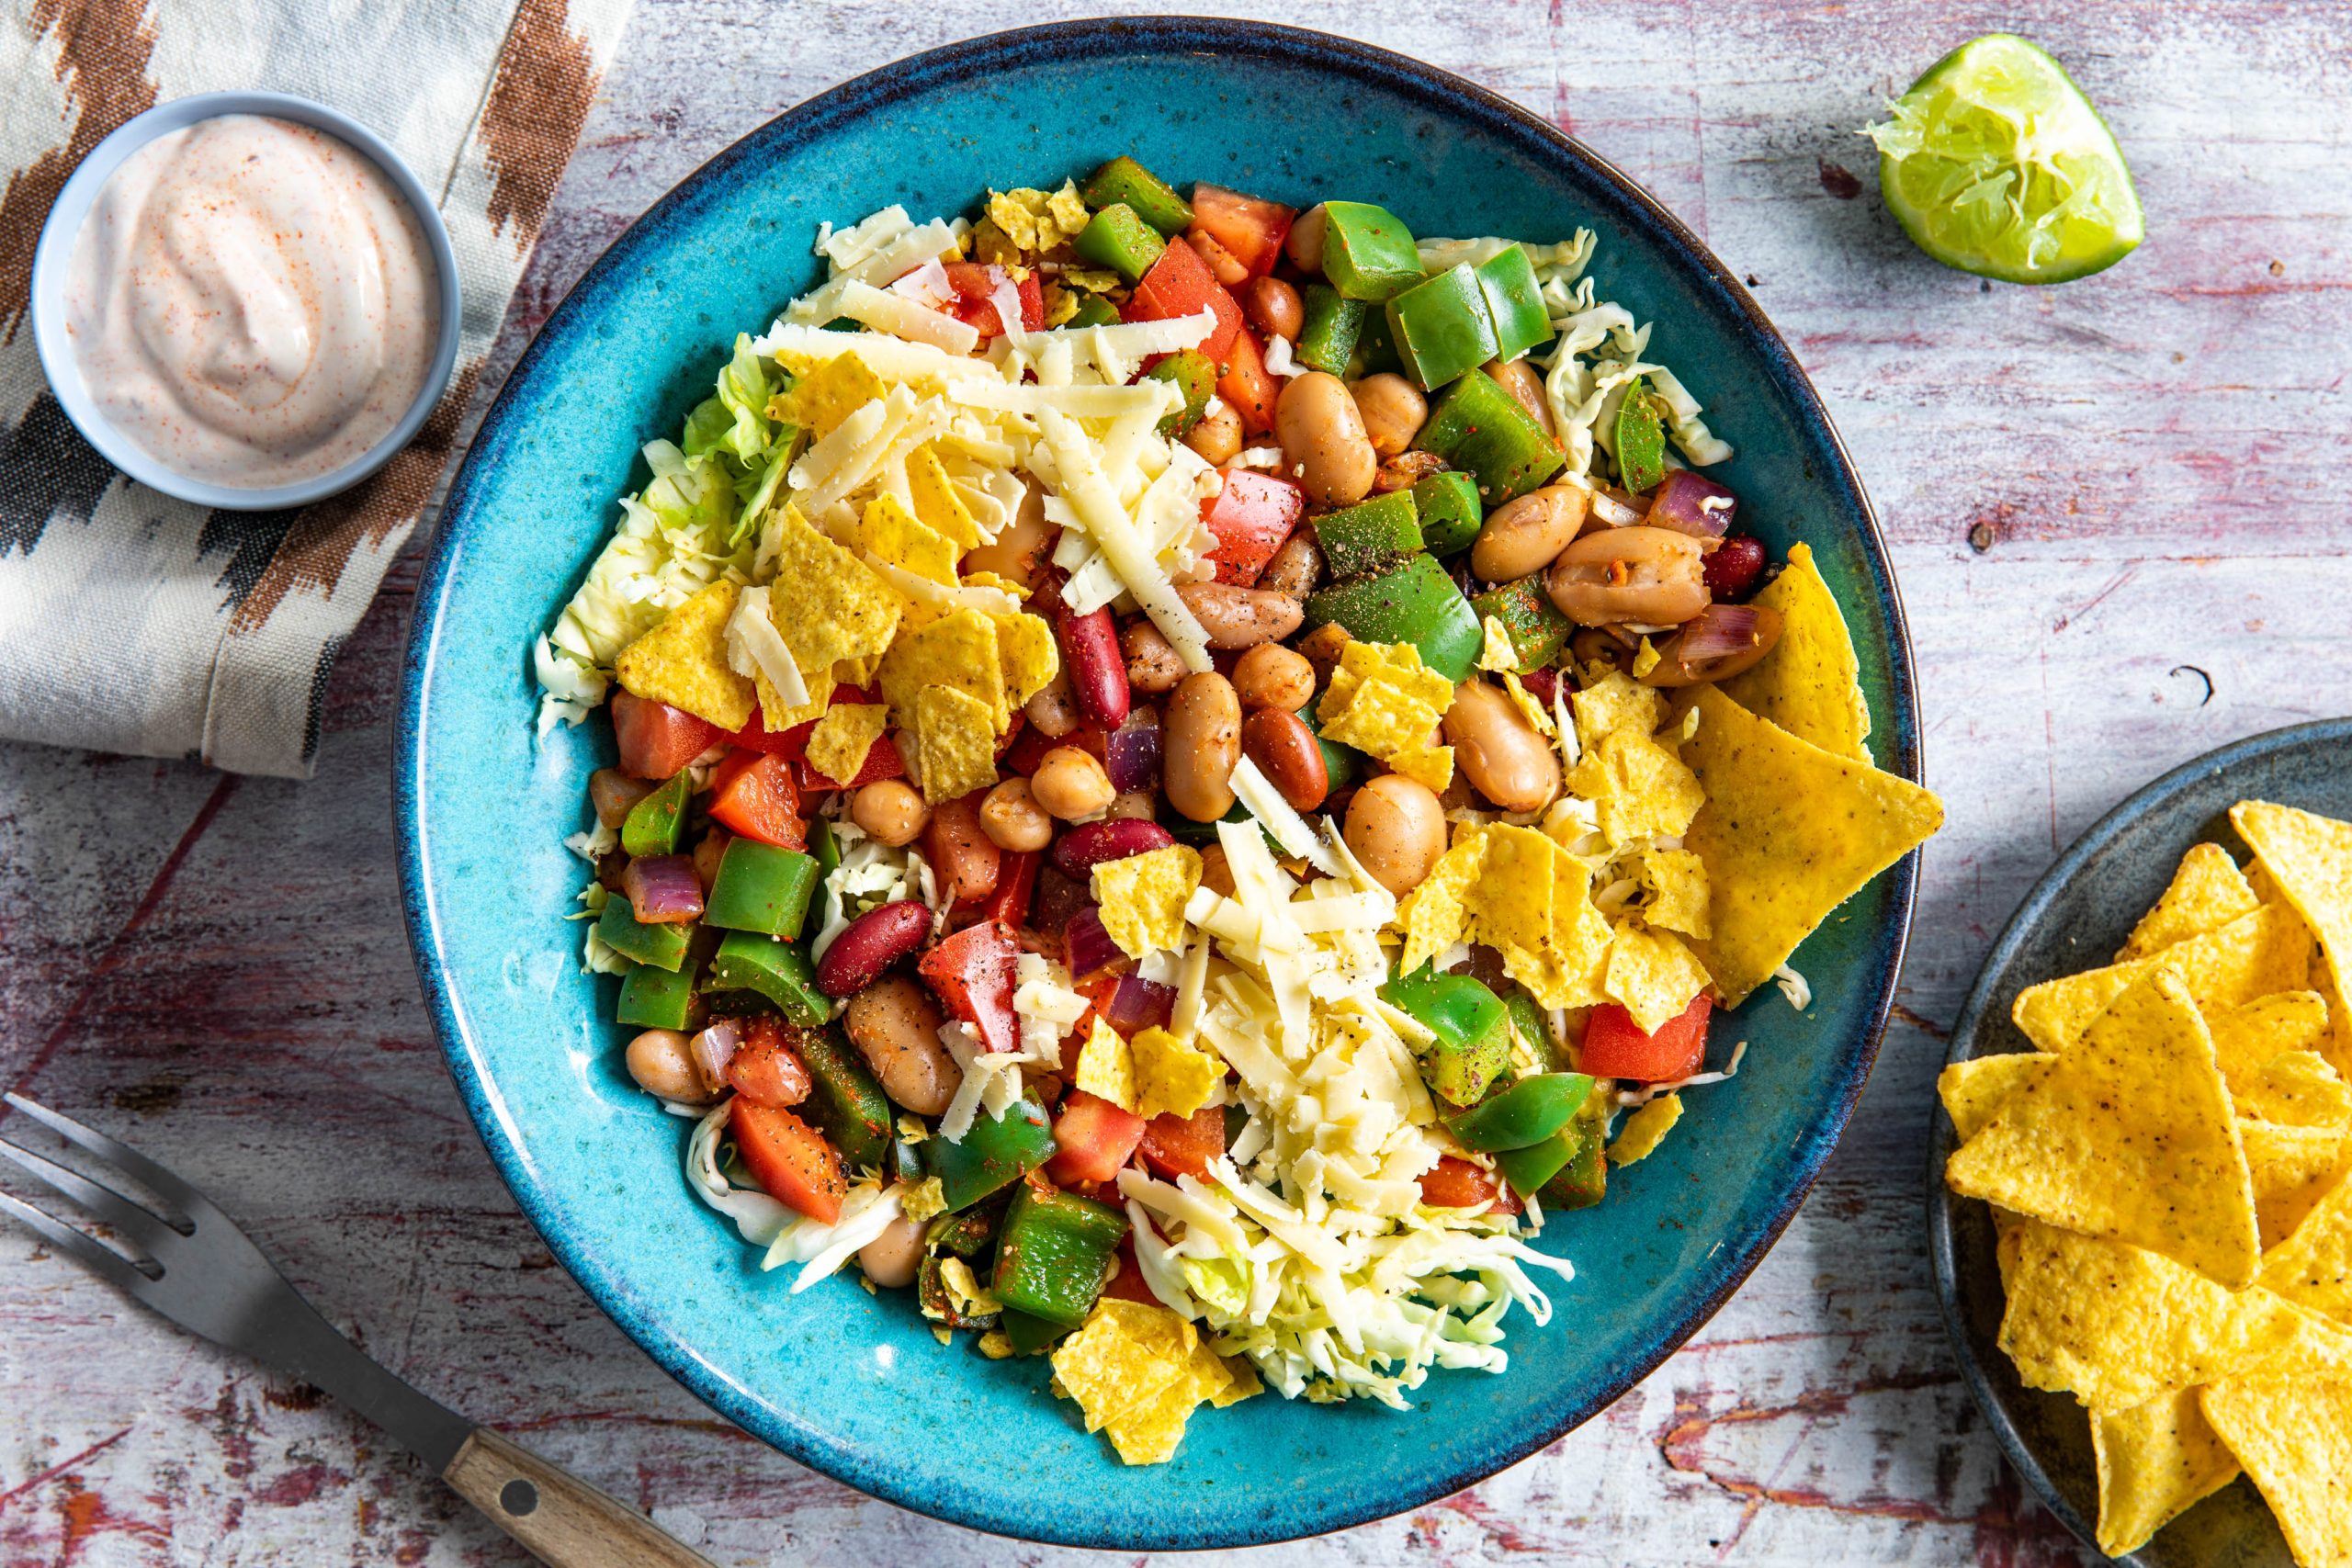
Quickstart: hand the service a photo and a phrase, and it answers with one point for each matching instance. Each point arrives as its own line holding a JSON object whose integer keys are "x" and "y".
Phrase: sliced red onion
{"x": 1140, "y": 1004}
{"x": 1615, "y": 509}
{"x": 663, "y": 889}
{"x": 1133, "y": 758}
{"x": 712, "y": 1049}
{"x": 1087, "y": 945}
{"x": 1690, "y": 504}
{"x": 1716, "y": 643}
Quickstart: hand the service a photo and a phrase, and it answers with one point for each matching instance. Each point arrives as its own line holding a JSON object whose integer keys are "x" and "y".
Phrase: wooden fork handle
{"x": 560, "y": 1519}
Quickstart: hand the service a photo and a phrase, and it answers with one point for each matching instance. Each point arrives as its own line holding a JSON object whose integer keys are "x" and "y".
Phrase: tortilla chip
{"x": 1383, "y": 702}
{"x": 1171, "y": 1077}
{"x": 1106, "y": 1068}
{"x": 956, "y": 652}
{"x": 1789, "y": 832}
{"x": 2208, "y": 891}
{"x": 2129, "y": 1136}
{"x": 889, "y": 533}
{"x": 2296, "y": 1089}
{"x": 1674, "y": 883}
{"x": 682, "y": 662}
{"x": 2154, "y": 1461}
{"x": 1142, "y": 898}
{"x": 2294, "y": 1438}
{"x": 1645, "y": 1129}
{"x": 1639, "y": 789}
{"x": 955, "y": 744}
{"x": 2249, "y": 1037}
{"x": 1429, "y": 766}
{"x": 938, "y": 507}
{"x": 1432, "y": 914}
{"x": 835, "y": 607}
{"x": 1654, "y": 975}
{"x": 1027, "y": 655}
{"x": 2117, "y": 1326}
{"x": 2252, "y": 956}
{"x": 1809, "y": 685}
{"x": 1973, "y": 1092}
{"x": 2312, "y": 1266}
{"x": 1616, "y": 704}
{"x": 2292, "y": 1169}
{"x": 829, "y": 394}
{"x": 2311, "y": 857}
{"x": 837, "y": 747}
{"x": 1122, "y": 1358}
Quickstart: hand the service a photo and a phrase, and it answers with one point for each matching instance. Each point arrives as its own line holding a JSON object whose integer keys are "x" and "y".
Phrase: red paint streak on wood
{"x": 61, "y": 1467}
{"x": 2118, "y": 580}
{"x": 84, "y": 1517}
{"x": 297, "y": 1487}
{"x": 1682, "y": 1445}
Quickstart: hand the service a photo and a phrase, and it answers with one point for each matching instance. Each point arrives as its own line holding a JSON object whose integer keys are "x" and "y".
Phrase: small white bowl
{"x": 54, "y": 252}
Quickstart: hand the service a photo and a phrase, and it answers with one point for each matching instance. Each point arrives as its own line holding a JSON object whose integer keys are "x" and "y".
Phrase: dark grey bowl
{"x": 2075, "y": 918}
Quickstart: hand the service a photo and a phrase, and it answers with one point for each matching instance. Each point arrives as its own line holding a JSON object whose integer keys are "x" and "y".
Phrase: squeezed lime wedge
{"x": 1995, "y": 164}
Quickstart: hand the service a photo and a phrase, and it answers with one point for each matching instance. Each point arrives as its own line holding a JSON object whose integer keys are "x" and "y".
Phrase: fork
{"x": 205, "y": 1274}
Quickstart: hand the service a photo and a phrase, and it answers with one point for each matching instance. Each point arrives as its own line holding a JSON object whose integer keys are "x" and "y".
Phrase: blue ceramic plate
{"x": 836, "y": 1378}
{"x": 2075, "y": 918}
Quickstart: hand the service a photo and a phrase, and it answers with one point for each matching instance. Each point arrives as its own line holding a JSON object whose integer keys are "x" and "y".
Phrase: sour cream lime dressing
{"x": 252, "y": 301}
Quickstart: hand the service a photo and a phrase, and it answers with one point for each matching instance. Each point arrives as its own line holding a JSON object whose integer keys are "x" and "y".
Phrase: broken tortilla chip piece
{"x": 2292, "y": 1169}
{"x": 1142, "y": 897}
{"x": 838, "y": 746}
{"x": 2252, "y": 956}
{"x": 1653, "y": 976}
{"x": 2154, "y": 1461}
{"x": 1386, "y": 703}
{"x": 1027, "y": 654}
{"x": 1973, "y": 1092}
{"x": 829, "y": 394}
{"x": 937, "y": 506}
{"x": 2295, "y": 1089}
{"x": 954, "y": 743}
{"x": 2310, "y": 859}
{"x": 682, "y": 662}
{"x": 2208, "y": 891}
{"x": 839, "y": 608}
{"x": 956, "y": 652}
{"x": 889, "y": 533}
{"x": 1788, "y": 833}
{"x": 2312, "y": 1266}
{"x": 1172, "y": 1078}
{"x": 1645, "y": 1129}
{"x": 2294, "y": 1438}
{"x": 2129, "y": 1136}
{"x": 1106, "y": 1068}
{"x": 2250, "y": 1037}
{"x": 1639, "y": 789}
{"x": 1809, "y": 685}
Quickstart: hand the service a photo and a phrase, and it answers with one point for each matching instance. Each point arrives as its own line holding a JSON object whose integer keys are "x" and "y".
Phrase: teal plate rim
{"x": 928, "y": 1483}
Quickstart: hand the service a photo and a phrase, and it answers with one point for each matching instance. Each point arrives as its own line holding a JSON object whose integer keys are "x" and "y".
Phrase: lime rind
{"x": 1995, "y": 164}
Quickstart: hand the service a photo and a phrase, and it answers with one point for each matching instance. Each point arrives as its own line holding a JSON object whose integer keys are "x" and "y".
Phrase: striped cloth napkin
{"x": 132, "y": 622}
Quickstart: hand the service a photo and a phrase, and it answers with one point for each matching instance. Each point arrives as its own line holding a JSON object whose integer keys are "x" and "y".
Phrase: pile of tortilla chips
{"x": 2171, "y": 1177}
{"x": 1139, "y": 1371}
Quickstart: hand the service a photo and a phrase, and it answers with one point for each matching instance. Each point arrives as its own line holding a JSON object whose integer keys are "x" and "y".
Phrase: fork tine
{"x": 170, "y": 1188}
{"x": 146, "y": 1230}
{"x": 102, "y": 1260}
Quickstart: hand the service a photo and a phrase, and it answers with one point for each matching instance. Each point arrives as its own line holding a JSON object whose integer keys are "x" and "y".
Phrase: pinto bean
{"x": 1235, "y": 617}
{"x": 895, "y": 1025}
{"x": 1295, "y": 568}
{"x": 1203, "y": 740}
{"x": 873, "y": 941}
{"x": 1526, "y": 388}
{"x": 1273, "y": 306}
{"x": 1638, "y": 574}
{"x": 1323, "y": 440}
{"x": 1285, "y": 752}
{"x": 1500, "y": 752}
{"x": 1398, "y": 829}
{"x": 892, "y": 1260}
{"x": 1525, "y": 535}
{"x": 1153, "y": 663}
{"x": 1392, "y": 411}
{"x": 1273, "y": 676}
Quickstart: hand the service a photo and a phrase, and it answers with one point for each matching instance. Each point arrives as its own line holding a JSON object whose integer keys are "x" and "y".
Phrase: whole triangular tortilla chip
{"x": 1789, "y": 832}
{"x": 1974, "y": 1091}
{"x": 2310, "y": 859}
{"x": 2129, "y": 1135}
{"x": 2154, "y": 1460}
{"x": 2254, "y": 955}
{"x": 2208, "y": 890}
{"x": 2294, "y": 1438}
{"x": 1809, "y": 685}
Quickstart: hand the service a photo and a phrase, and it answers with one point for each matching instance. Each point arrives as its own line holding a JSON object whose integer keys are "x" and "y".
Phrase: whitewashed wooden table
{"x": 2099, "y": 499}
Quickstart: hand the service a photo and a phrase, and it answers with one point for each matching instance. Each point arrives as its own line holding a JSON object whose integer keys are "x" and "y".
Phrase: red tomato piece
{"x": 975, "y": 284}
{"x": 1180, "y": 284}
{"x": 972, "y": 974}
{"x": 1183, "y": 1145}
{"x": 789, "y": 1158}
{"x": 964, "y": 857}
{"x": 1127, "y": 1283}
{"x": 1250, "y": 517}
{"x": 1092, "y": 1138}
{"x": 1251, "y": 231}
{"x": 656, "y": 739}
{"x": 1614, "y": 1047}
{"x": 753, "y": 794}
{"x": 766, "y": 1068}
{"x": 756, "y": 736}
{"x": 1247, "y": 385}
{"x": 1016, "y": 886}
{"x": 1457, "y": 1184}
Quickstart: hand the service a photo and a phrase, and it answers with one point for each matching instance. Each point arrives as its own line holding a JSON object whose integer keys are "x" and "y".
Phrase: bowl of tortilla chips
{"x": 2140, "y": 1190}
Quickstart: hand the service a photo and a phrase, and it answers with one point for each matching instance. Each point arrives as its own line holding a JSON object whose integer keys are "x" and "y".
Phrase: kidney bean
{"x": 1324, "y": 441}
{"x": 1098, "y": 674}
{"x": 895, "y": 1025}
{"x": 962, "y": 853}
{"x": 1235, "y": 617}
{"x": 1079, "y": 850}
{"x": 1732, "y": 571}
{"x": 1637, "y": 574}
{"x": 1153, "y": 664}
{"x": 1285, "y": 752}
{"x": 873, "y": 941}
{"x": 1202, "y": 739}
{"x": 1500, "y": 752}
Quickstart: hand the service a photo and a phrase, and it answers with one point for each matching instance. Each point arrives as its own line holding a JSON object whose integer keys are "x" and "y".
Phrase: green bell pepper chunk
{"x": 970, "y": 1234}
{"x": 1333, "y": 322}
{"x": 762, "y": 888}
{"x": 1376, "y": 348}
{"x": 996, "y": 1152}
{"x": 746, "y": 961}
{"x": 1414, "y": 601}
{"x": 1514, "y": 302}
{"x": 938, "y": 1306}
{"x": 1123, "y": 182}
{"x": 1530, "y": 1021}
{"x": 1094, "y": 311}
{"x": 656, "y": 998}
{"x": 652, "y": 825}
{"x": 1194, "y": 373}
{"x": 1029, "y": 1335}
{"x": 1368, "y": 253}
{"x": 1442, "y": 328}
{"x": 1529, "y": 1112}
{"x": 1529, "y": 1168}
{"x": 1184, "y": 830}
{"x": 1343, "y": 763}
{"x": 1584, "y": 1179}
{"x": 1054, "y": 1252}
{"x": 823, "y": 848}
{"x": 902, "y": 1163}
{"x": 1480, "y": 428}
{"x": 1472, "y": 1046}
{"x": 1119, "y": 239}
{"x": 662, "y": 946}
{"x": 1370, "y": 535}
{"x": 1451, "y": 515}
{"x": 1640, "y": 439}
{"x": 844, "y": 1102}
{"x": 1536, "y": 628}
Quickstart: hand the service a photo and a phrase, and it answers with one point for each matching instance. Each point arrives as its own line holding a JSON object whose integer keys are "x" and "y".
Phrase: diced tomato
{"x": 755, "y": 736}
{"x": 975, "y": 284}
{"x": 882, "y": 762}
{"x": 1251, "y": 231}
{"x": 1183, "y": 1145}
{"x": 1457, "y": 1184}
{"x": 1180, "y": 284}
{"x": 657, "y": 739}
{"x": 1016, "y": 885}
{"x": 789, "y": 1158}
{"x": 1030, "y": 748}
{"x": 965, "y": 858}
{"x": 1250, "y": 517}
{"x": 1247, "y": 385}
{"x": 1545, "y": 683}
{"x": 766, "y": 1068}
{"x": 1614, "y": 1046}
{"x": 753, "y": 795}
{"x": 972, "y": 973}
{"x": 1092, "y": 1138}
{"x": 1127, "y": 1283}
